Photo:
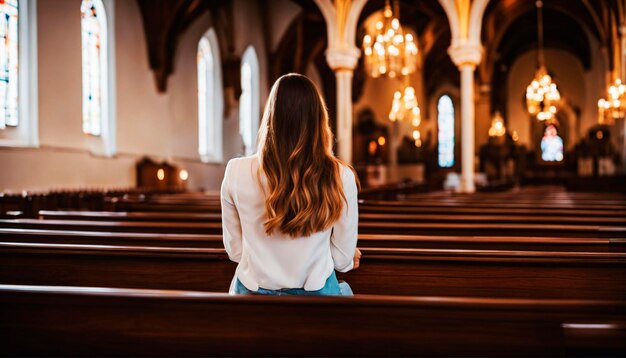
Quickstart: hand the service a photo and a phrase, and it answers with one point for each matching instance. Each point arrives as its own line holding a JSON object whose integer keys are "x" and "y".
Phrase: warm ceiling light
{"x": 388, "y": 51}
{"x": 405, "y": 106}
{"x": 542, "y": 94}
{"x": 497, "y": 128}
{"x": 614, "y": 105}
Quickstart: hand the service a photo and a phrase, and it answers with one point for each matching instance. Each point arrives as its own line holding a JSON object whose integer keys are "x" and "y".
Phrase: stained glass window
{"x": 445, "y": 137}
{"x": 249, "y": 100}
{"x": 551, "y": 145}
{"x": 9, "y": 63}
{"x": 93, "y": 28}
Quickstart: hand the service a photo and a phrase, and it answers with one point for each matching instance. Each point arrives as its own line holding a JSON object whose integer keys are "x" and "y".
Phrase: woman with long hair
{"x": 289, "y": 212}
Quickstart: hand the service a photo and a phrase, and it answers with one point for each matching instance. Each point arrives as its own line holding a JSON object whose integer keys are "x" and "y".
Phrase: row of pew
{"x": 532, "y": 272}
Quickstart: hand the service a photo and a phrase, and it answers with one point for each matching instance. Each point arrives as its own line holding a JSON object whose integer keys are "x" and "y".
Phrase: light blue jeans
{"x": 331, "y": 288}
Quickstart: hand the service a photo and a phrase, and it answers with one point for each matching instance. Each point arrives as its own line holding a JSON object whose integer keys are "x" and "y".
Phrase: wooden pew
{"x": 129, "y": 216}
{"x": 493, "y": 229}
{"x": 435, "y": 272}
{"x": 129, "y": 322}
{"x": 116, "y": 226}
{"x": 365, "y": 240}
{"x": 502, "y": 217}
{"x": 115, "y": 238}
{"x": 541, "y": 199}
{"x": 384, "y": 217}
{"x": 520, "y": 199}
{"x": 397, "y": 206}
{"x": 140, "y": 206}
{"x": 404, "y": 228}
{"x": 508, "y": 205}
{"x": 405, "y": 208}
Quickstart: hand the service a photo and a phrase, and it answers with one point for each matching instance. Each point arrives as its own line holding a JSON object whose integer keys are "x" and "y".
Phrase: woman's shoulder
{"x": 347, "y": 173}
{"x": 240, "y": 161}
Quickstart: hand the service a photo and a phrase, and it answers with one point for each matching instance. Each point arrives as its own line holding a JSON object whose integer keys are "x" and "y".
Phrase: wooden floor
{"x": 536, "y": 271}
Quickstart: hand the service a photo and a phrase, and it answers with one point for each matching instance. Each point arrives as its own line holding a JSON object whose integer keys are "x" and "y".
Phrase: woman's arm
{"x": 345, "y": 231}
{"x": 231, "y": 225}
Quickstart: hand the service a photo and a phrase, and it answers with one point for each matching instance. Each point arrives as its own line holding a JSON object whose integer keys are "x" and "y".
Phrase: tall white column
{"x": 467, "y": 128}
{"x": 342, "y": 62}
{"x": 344, "y": 114}
{"x": 341, "y": 17}
{"x": 466, "y": 56}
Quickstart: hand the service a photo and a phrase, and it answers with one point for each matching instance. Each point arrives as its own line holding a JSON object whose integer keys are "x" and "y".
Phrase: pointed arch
{"x": 249, "y": 107}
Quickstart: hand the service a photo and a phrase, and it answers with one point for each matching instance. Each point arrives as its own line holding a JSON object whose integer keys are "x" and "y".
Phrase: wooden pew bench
{"x": 402, "y": 206}
{"x": 154, "y": 207}
{"x": 492, "y": 229}
{"x": 394, "y": 207}
{"x": 129, "y": 216}
{"x": 503, "y": 217}
{"x": 365, "y": 240}
{"x": 433, "y": 272}
{"x": 409, "y": 207}
{"x": 129, "y": 322}
{"x": 404, "y": 228}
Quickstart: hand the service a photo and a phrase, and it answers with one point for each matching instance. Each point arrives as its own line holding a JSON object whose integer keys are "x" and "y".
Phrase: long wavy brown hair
{"x": 295, "y": 150}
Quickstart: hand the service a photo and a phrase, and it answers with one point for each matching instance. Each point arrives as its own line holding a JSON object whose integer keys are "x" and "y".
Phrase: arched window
{"x": 210, "y": 99}
{"x": 9, "y": 76}
{"x": 94, "y": 58}
{"x": 18, "y": 73}
{"x": 445, "y": 136}
{"x": 551, "y": 145}
{"x": 249, "y": 100}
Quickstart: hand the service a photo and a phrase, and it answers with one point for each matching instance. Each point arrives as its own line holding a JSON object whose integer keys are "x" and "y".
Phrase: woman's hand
{"x": 357, "y": 259}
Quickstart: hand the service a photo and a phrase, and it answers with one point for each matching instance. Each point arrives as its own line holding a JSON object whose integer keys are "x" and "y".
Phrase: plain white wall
{"x": 143, "y": 114}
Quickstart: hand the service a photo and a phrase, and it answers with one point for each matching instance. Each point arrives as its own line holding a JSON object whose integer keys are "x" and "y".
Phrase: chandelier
{"x": 497, "y": 128}
{"x": 388, "y": 51}
{"x": 614, "y": 106}
{"x": 405, "y": 106}
{"x": 542, "y": 95}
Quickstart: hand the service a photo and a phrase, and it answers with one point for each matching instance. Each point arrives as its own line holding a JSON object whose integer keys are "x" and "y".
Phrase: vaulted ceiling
{"x": 509, "y": 29}
{"x": 164, "y": 21}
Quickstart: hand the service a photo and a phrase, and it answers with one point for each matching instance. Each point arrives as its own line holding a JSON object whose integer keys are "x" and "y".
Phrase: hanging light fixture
{"x": 614, "y": 106}
{"x": 405, "y": 106}
{"x": 497, "y": 128}
{"x": 542, "y": 95}
{"x": 388, "y": 51}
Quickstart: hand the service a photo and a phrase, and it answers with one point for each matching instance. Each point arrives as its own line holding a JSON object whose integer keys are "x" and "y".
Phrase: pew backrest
{"x": 109, "y": 321}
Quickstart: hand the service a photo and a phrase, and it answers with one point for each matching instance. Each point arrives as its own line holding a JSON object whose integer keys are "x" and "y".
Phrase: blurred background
{"x": 458, "y": 94}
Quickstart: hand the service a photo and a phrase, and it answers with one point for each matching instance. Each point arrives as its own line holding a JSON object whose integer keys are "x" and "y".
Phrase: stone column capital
{"x": 465, "y": 54}
{"x": 343, "y": 59}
